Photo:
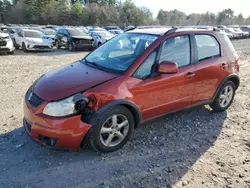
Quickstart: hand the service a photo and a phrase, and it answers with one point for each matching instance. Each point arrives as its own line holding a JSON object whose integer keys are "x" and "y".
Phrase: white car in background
{"x": 100, "y": 37}
{"x": 230, "y": 35}
{"x": 116, "y": 31}
{"x": 32, "y": 40}
{"x": 6, "y": 44}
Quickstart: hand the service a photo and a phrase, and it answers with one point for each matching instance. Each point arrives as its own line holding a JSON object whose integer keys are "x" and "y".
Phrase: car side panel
{"x": 208, "y": 75}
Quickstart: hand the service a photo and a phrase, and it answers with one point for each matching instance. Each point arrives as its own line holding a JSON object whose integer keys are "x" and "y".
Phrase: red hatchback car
{"x": 136, "y": 76}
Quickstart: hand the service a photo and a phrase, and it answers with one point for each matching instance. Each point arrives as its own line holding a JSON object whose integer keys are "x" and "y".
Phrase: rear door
{"x": 211, "y": 66}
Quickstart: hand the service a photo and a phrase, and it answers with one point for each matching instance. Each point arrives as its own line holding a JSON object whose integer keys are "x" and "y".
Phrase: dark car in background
{"x": 73, "y": 38}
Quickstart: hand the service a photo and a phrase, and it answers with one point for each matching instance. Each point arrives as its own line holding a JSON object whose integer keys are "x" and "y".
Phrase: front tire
{"x": 11, "y": 53}
{"x": 57, "y": 44}
{"x": 112, "y": 129}
{"x": 15, "y": 45}
{"x": 224, "y": 98}
{"x": 24, "y": 47}
{"x": 71, "y": 47}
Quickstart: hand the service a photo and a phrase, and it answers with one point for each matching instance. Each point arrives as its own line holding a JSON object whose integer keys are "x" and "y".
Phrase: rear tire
{"x": 112, "y": 129}
{"x": 224, "y": 98}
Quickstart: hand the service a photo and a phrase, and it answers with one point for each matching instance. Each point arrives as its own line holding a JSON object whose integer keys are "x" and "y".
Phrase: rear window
{"x": 207, "y": 46}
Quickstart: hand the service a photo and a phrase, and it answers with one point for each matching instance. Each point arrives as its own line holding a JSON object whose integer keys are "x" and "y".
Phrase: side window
{"x": 207, "y": 46}
{"x": 146, "y": 67}
{"x": 177, "y": 50}
{"x": 65, "y": 32}
{"x": 60, "y": 32}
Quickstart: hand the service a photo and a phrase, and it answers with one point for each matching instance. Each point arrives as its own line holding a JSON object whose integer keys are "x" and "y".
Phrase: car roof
{"x": 152, "y": 31}
{"x": 31, "y": 30}
{"x": 164, "y": 30}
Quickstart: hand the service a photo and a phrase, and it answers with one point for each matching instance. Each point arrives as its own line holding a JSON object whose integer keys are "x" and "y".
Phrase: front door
{"x": 163, "y": 93}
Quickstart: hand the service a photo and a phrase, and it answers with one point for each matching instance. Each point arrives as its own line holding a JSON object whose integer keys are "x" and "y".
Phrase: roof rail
{"x": 172, "y": 30}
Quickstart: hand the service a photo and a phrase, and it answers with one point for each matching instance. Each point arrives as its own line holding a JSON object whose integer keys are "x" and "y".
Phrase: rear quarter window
{"x": 228, "y": 43}
{"x": 207, "y": 47}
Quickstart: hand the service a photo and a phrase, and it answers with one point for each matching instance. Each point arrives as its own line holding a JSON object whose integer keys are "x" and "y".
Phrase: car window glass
{"x": 146, "y": 68}
{"x": 120, "y": 52}
{"x": 125, "y": 46}
{"x": 207, "y": 47}
{"x": 177, "y": 50}
{"x": 60, "y": 31}
{"x": 65, "y": 33}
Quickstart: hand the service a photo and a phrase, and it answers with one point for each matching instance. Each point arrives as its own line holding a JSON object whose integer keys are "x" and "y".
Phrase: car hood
{"x": 39, "y": 40}
{"x": 82, "y": 37}
{"x": 69, "y": 80}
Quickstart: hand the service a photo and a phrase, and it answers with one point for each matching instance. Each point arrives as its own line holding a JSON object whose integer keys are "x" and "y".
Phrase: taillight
{"x": 237, "y": 62}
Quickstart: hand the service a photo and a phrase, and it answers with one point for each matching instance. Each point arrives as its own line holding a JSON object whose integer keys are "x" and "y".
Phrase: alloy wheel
{"x": 114, "y": 130}
{"x": 226, "y": 96}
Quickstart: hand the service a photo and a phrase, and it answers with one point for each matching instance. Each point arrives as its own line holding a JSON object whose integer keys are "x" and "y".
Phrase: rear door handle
{"x": 189, "y": 75}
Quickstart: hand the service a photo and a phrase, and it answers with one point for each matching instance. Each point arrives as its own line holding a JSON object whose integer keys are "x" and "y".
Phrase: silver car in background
{"x": 100, "y": 37}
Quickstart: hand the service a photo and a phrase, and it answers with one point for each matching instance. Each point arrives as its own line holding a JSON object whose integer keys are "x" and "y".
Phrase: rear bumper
{"x": 57, "y": 133}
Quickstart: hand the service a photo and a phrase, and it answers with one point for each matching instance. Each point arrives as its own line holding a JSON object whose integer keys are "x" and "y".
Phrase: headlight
{"x": 69, "y": 106}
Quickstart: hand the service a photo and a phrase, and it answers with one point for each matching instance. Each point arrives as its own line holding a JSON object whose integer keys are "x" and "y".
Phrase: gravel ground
{"x": 193, "y": 148}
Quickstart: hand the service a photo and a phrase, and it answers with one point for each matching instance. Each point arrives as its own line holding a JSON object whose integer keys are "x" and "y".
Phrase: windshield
{"x": 32, "y": 34}
{"x": 49, "y": 32}
{"x": 103, "y": 34}
{"x": 76, "y": 32}
{"x": 120, "y": 52}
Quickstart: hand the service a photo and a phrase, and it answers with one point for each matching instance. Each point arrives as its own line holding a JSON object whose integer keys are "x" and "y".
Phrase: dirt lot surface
{"x": 194, "y": 148}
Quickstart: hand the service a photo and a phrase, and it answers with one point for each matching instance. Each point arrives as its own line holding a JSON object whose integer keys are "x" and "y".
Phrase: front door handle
{"x": 189, "y": 75}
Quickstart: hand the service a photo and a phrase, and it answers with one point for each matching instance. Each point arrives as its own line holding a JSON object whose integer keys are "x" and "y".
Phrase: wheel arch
{"x": 131, "y": 106}
{"x": 233, "y": 78}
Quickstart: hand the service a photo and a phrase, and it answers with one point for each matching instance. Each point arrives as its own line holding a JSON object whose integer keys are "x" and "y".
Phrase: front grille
{"x": 3, "y": 43}
{"x": 83, "y": 42}
{"x": 33, "y": 99}
{"x": 41, "y": 47}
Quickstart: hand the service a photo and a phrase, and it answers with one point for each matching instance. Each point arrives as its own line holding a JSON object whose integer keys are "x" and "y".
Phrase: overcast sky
{"x": 197, "y": 6}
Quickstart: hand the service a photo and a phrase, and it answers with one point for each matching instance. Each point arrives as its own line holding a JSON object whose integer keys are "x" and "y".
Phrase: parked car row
{"x": 236, "y": 31}
{"x": 48, "y": 38}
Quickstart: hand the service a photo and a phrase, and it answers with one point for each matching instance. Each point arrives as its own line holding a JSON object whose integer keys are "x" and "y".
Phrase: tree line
{"x": 105, "y": 12}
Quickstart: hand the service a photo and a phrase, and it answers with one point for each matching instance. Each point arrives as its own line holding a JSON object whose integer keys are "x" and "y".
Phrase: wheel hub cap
{"x": 114, "y": 130}
{"x": 226, "y": 96}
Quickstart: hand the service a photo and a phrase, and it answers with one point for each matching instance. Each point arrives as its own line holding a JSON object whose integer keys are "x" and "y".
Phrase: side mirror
{"x": 167, "y": 67}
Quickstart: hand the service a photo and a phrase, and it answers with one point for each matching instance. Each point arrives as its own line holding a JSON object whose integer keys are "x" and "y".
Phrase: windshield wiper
{"x": 96, "y": 65}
